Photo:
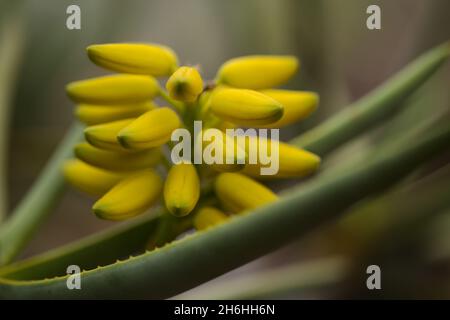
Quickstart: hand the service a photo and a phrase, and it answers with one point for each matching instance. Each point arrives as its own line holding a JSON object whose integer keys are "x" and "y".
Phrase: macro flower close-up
{"x": 129, "y": 141}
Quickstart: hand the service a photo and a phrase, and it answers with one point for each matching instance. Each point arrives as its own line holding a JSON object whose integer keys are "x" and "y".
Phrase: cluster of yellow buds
{"x": 128, "y": 136}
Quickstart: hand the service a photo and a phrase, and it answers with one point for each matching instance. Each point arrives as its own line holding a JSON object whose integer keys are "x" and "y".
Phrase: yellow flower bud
{"x": 297, "y": 105}
{"x": 115, "y": 89}
{"x": 237, "y": 192}
{"x": 207, "y": 217}
{"x": 91, "y": 114}
{"x": 89, "y": 179}
{"x": 151, "y": 129}
{"x": 245, "y": 107}
{"x": 293, "y": 162}
{"x": 185, "y": 84}
{"x": 117, "y": 161}
{"x": 257, "y": 72}
{"x": 104, "y": 136}
{"x": 221, "y": 151}
{"x": 130, "y": 197}
{"x": 137, "y": 58}
{"x": 182, "y": 189}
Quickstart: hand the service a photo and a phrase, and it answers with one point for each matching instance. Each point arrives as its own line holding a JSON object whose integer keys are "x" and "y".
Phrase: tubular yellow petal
{"x": 151, "y": 129}
{"x": 237, "y": 192}
{"x": 89, "y": 179}
{"x": 117, "y": 161}
{"x": 185, "y": 84}
{"x": 104, "y": 136}
{"x": 293, "y": 162}
{"x": 207, "y": 217}
{"x": 115, "y": 89}
{"x": 137, "y": 58}
{"x": 258, "y": 72}
{"x": 130, "y": 197}
{"x": 297, "y": 105}
{"x": 97, "y": 114}
{"x": 182, "y": 189}
{"x": 225, "y": 154}
{"x": 245, "y": 107}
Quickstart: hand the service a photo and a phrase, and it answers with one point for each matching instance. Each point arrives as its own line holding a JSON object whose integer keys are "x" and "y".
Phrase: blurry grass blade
{"x": 11, "y": 44}
{"x": 38, "y": 202}
{"x": 375, "y": 107}
{"x": 163, "y": 272}
{"x": 297, "y": 278}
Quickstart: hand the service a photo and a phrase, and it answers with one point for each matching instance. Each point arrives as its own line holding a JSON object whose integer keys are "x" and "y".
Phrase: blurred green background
{"x": 341, "y": 60}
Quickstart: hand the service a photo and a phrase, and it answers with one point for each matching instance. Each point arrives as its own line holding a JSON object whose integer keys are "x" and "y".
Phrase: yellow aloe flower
{"x": 293, "y": 162}
{"x": 117, "y": 161}
{"x": 137, "y": 58}
{"x": 104, "y": 136}
{"x": 297, "y": 105}
{"x": 182, "y": 189}
{"x": 128, "y": 134}
{"x": 237, "y": 192}
{"x": 245, "y": 107}
{"x": 132, "y": 196}
{"x": 226, "y": 150}
{"x": 89, "y": 179}
{"x": 257, "y": 72}
{"x": 207, "y": 217}
{"x": 185, "y": 84}
{"x": 91, "y": 114}
{"x": 115, "y": 89}
{"x": 151, "y": 129}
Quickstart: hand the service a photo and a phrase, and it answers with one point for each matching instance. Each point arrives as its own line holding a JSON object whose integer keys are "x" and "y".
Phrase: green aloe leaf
{"x": 202, "y": 256}
{"x": 99, "y": 249}
{"x": 38, "y": 202}
{"x": 374, "y": 107}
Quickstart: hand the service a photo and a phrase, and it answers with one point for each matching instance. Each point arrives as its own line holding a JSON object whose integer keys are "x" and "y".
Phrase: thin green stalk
{"x": 373, "y": 108}
{"x": 39, "y": 201}
{"x": 11, "y": 44}
{"x": 176, "y": 104}
{"x": 205, "y": 255}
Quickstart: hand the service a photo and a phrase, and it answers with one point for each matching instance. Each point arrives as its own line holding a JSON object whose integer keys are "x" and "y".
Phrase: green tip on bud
{"x": 185, "y": 84}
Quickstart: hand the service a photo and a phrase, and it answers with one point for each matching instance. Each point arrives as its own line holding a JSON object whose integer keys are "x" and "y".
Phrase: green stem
{"x": 11, "y": 44}
{"x": 39, "y": 201}
{"x": 373, "y": 108}
{"x": 176, "y": 104}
